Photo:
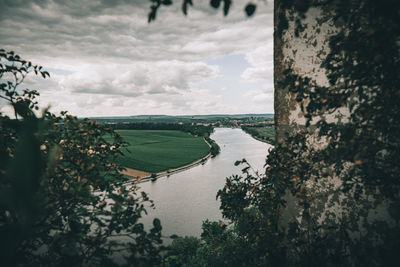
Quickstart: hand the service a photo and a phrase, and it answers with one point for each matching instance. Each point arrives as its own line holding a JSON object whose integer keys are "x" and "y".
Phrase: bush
{"x": 62, "y": 197}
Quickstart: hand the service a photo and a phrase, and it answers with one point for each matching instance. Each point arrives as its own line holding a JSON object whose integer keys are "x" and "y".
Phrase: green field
{"x": 266, "y": 134}
{"x": 160, "y": 150}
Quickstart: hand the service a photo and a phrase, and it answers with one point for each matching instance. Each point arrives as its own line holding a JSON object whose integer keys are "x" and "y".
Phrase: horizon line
{"x": 182, "y": 115}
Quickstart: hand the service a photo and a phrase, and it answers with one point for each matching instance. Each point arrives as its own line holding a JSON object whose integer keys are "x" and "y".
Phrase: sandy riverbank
{"x": 146, "y": 176}
{"x": 135, "y": 173}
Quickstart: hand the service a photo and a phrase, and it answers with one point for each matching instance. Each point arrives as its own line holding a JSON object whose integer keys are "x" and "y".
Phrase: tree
{"x": 63, "y": 200}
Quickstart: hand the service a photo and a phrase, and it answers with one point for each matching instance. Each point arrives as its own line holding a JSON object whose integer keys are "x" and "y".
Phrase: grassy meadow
{"x": 266, "y": 134}
{"x": 160, "y": 150}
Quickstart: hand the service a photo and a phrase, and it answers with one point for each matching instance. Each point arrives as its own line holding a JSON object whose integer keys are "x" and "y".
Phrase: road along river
{"x": 185, "y": 199}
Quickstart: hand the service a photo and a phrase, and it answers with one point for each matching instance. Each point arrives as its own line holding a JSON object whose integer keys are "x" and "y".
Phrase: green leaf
{"x": 227, "y": 5}
{"x": 174, "y": 237}
{"x": 22, "y": 108}
{"x": 157, "y": 224}
{"x": 215, "y": 3}
{"x": 138, "y": 228}
{"x": 250, "y": 9}
{"x": 167, "y": 2}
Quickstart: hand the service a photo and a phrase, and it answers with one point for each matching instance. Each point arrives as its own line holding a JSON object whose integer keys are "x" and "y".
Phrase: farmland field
{"x": 160, "y": 150}
{"x": 265, "y": 134}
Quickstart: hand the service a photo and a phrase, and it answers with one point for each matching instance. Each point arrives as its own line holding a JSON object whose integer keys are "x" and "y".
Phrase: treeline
{"x": 214, "y": 149}
{"x": 261, "y": 132}
{"x": 196, "y": 130}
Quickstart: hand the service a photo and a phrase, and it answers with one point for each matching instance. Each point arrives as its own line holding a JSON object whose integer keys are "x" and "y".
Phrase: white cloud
{"x": 110, "y": 61}
{"x": 261, "y": 61}
{"x": 163, "y": 77}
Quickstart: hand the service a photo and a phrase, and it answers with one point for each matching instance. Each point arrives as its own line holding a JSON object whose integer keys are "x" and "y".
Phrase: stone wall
{"x": 316, "y": 83}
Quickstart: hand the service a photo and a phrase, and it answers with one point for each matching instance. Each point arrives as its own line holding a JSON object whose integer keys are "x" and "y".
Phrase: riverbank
{"x": 154, "y": 151}
{"x": 261, "y": 140}
{"x": 135, "y": 173}
{"x": 262, "y": 134}
{"x": 187, "y": 198}
{"x": 143, "y": 176}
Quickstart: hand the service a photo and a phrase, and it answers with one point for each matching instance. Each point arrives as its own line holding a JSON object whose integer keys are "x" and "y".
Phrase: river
{"x": 185, "y": 199}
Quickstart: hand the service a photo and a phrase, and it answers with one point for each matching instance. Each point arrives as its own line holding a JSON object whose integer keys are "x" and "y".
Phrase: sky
{"x": 105, "y": 59}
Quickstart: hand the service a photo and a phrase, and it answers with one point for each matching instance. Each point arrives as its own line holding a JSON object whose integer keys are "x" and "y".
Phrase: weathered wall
{"x": 301, "y": 44}
{"x": 304, "y": 37}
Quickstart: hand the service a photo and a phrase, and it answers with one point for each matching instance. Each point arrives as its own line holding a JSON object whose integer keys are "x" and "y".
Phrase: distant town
{"x": 218, "y": 120}
{"x": 259, "y": 126}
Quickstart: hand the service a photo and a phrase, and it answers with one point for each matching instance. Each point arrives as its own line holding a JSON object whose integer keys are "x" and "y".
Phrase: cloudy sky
{"x": 106, "y": 60}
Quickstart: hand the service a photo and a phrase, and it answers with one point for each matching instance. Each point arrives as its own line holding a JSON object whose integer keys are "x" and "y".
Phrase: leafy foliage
{"x": 249, "y": 9}
{"x": 360, "y": 151}
{"x": 196, "y": 130}
{"x": 63, "y": 200}
{"x": 345, "y": 192}
{"x": 218, "y": 246}
{"x": 182, "y": 251}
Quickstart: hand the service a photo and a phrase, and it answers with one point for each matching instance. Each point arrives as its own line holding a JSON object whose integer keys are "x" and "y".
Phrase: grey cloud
{"x": 121, "y": 31}
{"x": 107, "y": 48}
{"x": 169, "y": 77}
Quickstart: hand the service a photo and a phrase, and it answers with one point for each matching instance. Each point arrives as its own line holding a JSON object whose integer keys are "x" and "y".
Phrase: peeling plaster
{"x": 304, "y": 54}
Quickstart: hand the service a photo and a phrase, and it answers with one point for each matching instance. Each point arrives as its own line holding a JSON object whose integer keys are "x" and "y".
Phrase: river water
{"x": 185, "y": 199}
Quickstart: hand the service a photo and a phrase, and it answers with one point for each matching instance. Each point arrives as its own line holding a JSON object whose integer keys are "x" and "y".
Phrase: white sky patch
{"x": 106, "y": 60}
{"x": 261, "y": 61}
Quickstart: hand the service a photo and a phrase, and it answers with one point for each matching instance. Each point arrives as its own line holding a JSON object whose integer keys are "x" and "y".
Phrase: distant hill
{"x": 155, "y": 116}
{"x": 229, "y": 120}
